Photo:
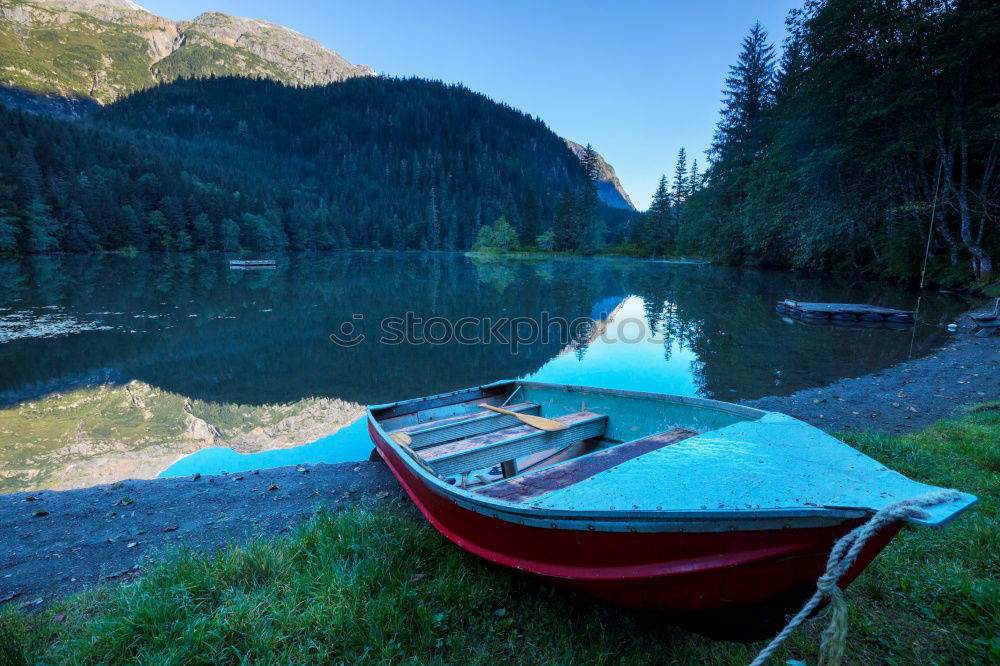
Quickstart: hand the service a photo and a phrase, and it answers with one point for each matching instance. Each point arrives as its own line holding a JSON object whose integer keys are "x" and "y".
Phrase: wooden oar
{"x": 534, "y": 421}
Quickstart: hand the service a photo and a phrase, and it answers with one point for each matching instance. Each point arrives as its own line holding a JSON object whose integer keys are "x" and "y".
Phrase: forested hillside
{"x": 836, "y": 154}
{"x": 224, "y": 164}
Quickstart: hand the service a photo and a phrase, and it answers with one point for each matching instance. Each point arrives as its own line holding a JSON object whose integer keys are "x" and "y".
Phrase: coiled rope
{"x": 843, "y": 555}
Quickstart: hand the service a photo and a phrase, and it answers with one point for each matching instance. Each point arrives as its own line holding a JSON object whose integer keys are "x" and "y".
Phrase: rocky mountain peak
{"x": 303, "y": 57}
{"x": 110, "y": 48}
{"x": 609, "y": 188}
{"x": 107, "y": 10}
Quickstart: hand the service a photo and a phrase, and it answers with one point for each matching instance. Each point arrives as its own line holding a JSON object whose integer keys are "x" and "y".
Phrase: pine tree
{"x": 749, "y": 93}
{"x": 659, "y": 224}
{"x": 159, "y": 231}
{"x": 433, "y": 223}
{"x": 396, "y": 233}
{"x": 8, "y": 231}
{"x": 203, "y": 232}
{"x": 229, "y": 235}
{"x": 681, "y": 187}
{"x": 39, "y": 227}
{"x": 133, "y": 232}
{"x": 589, "y": 223}
{"x": 532, "y": 218}
{"x": 590, "y": 165}
{"x": 694, "y": 182}
{"x": 78, "y": 236}
{"x": 564, "y": 226}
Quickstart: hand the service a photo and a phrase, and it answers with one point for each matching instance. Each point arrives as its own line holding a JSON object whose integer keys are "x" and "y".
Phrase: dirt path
{"x": 56, "y": 542}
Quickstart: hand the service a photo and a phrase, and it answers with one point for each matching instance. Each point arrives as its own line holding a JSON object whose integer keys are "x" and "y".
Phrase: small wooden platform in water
{"x": 845, "y": 312}
{"x": 252, "y": 263}
{"x": 987, "y": 323}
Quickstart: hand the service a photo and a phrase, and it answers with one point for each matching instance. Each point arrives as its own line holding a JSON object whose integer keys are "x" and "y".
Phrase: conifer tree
{"x": 532, "y": 224}
{"x": 748, "y": 94}
{"x": 589, "y": 223}
{"x": 694, "y": 183}
{"x": 564, "y": 226}
{"x": 229, "y": 235}
{"x": 39, "y": 227}
{"x": 78, "y": 236}
{"x": 433, "y": 238}
{"x": 681, "y": 187}
{"x": 8, "y": 231}
{"x": 203, "y": 235}
{"x": 133, "y": 232}
{"x": 659, "y": 223}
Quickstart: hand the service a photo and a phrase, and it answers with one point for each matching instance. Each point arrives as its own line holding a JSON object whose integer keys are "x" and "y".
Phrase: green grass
{"x": 377, "y": 585}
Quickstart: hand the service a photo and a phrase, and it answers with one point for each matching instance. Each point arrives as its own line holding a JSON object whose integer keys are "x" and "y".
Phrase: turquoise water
{"x": 348, "y": 443}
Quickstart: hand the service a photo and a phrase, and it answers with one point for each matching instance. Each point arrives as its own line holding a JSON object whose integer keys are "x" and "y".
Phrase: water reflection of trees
{"x": 726, "y": 317}
{"x": 262, "y": 336}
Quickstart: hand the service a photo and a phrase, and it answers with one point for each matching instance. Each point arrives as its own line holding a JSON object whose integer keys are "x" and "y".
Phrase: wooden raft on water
{"x": 987, "y": 323}
{"x": 252, "y": 263}
{"x": 845, "y": 312}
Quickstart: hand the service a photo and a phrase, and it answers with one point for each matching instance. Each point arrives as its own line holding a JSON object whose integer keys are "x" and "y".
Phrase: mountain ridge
{"x": 107, "y": 49}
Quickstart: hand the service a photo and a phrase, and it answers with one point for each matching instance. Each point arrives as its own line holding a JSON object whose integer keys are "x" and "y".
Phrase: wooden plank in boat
{"x": 535, "y": 484}
{"x": 410, "y": 407}
{"x": 511, "y": 443}
{"x": 465, "y": 425}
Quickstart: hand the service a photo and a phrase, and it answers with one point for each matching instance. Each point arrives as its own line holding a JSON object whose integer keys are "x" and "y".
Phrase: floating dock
{"x": 252, "y": 263}
{"x": 986, "y": 323}
{"x": 844, "y": 312}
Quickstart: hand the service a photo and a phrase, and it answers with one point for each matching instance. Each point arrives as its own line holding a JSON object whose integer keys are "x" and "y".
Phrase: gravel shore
{"x": 56, "y": 542}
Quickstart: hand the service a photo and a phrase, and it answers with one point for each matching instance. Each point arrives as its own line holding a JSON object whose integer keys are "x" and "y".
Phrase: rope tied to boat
{"x": 845, "y": 552}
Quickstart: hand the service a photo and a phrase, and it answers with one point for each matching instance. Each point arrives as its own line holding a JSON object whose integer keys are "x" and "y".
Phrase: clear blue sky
{"x": 637, "y": 79}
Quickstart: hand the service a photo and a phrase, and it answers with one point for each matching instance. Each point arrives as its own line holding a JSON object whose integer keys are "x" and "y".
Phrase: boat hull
{"x": 730, "y": 584}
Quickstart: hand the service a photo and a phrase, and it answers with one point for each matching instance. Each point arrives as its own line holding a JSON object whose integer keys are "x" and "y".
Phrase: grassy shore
{"x": 380, "y": 586}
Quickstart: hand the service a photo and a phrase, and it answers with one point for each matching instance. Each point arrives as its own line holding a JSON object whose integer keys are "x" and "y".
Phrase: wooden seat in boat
{"x": 464, "y": 425}
{"x": 499, "y": 446}
{"x": 534, "y": 484}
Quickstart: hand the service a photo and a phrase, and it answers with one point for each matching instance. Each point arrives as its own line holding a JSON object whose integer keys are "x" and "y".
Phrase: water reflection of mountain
{"x": 253, "y": 337}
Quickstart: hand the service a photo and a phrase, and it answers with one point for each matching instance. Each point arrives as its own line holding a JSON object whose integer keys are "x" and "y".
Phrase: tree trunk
{"x": 949, "y": 240}
{"x": 982, "y": 263}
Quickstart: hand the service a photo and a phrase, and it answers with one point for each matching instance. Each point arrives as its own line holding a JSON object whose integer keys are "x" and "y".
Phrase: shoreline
{"x": 53, "y": 543}
{"x": 905, "y": 397}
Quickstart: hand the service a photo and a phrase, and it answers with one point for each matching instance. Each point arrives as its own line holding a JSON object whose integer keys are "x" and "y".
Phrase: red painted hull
{"x": 688, "y": 573}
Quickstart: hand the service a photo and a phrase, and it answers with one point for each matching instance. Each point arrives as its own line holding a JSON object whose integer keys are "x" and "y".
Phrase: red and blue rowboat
{"x": 720, "y": 514}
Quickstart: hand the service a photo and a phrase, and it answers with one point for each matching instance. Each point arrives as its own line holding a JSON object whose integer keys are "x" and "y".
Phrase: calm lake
{"x": 192, "y": 326}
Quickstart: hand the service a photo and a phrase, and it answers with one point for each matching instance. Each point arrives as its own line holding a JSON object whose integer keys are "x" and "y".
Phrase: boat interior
{"x": 458, "y": 437}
